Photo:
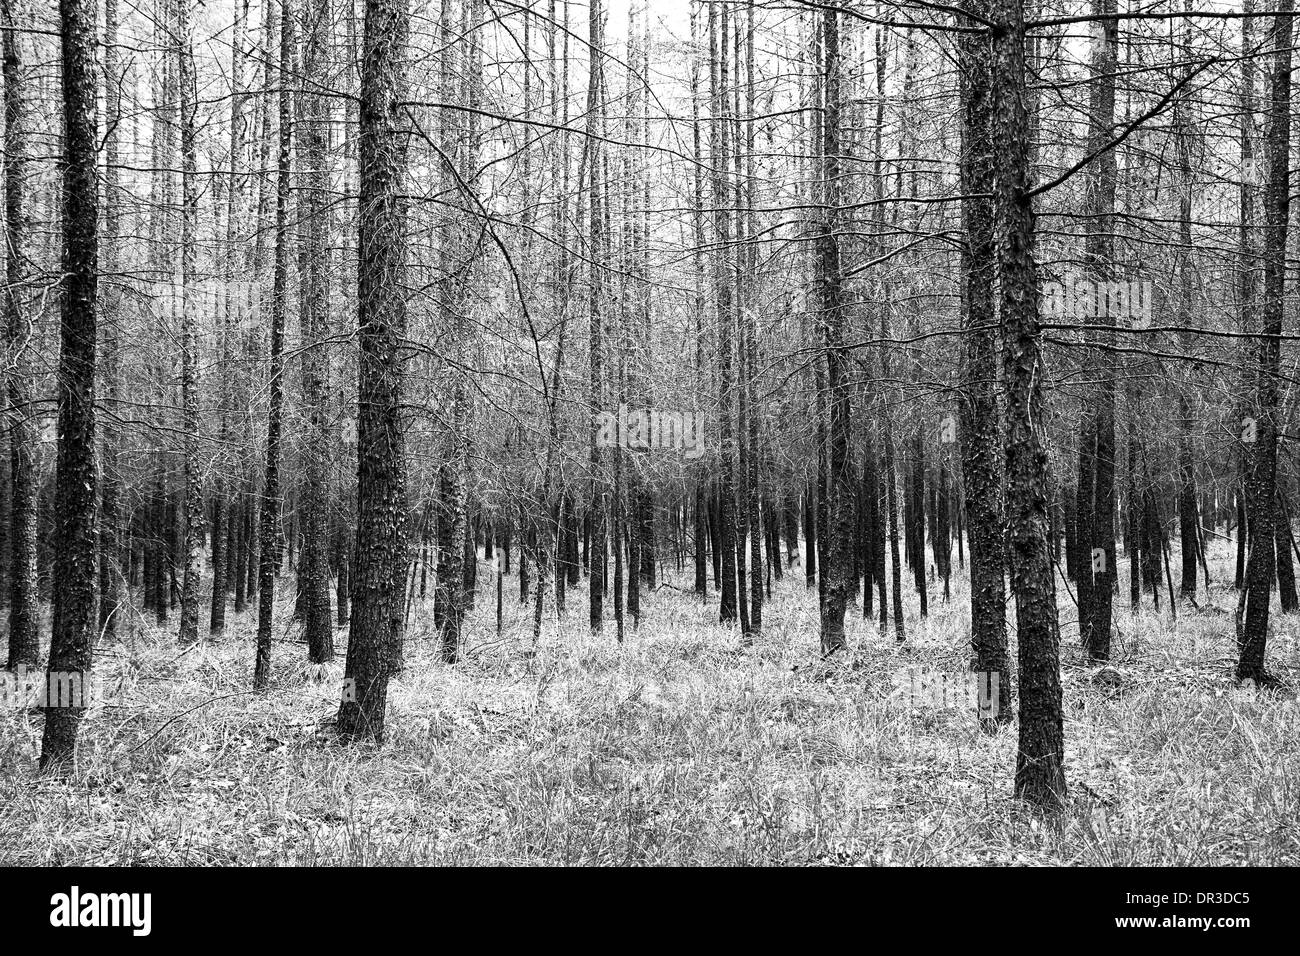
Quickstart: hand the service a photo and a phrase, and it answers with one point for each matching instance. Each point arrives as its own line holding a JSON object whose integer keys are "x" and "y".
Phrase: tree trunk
{"x": 374, "y": 640}
{"x": 595, "y": 99}
{"x": 1099, "y": 254}
{"x": 839, "y": 551}
{"x": 268, "y": 527}
{"x": 313, "y": 139}
{"x": 191, "y": 545}
{"x": 979, "y": 417}
{"x": 24, "y": 617}
{"x": 720, "y": 150}
{"x": 1247, "y": 270}
{"x": 1040, "y": 775}
{"x": 74, "y": 492}
{"x": 1260, "y": 566}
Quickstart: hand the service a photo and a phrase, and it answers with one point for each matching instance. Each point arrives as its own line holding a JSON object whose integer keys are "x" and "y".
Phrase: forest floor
{"x": 678, "y": 746}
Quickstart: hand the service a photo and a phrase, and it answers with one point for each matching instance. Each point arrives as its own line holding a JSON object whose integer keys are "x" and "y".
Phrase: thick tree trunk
{"x": 1260, "y": 566}
{"x": 1247, "y": 269}
{"x": 374, "y": 640}
{"x": 979, "y": 419}
{"x": 75, "y": 479}
{"x": 839, "y": 551}
{"x": 1040, "y": 775}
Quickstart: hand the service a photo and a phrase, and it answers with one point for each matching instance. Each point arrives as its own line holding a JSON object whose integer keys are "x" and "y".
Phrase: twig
{"x": 172, "y": 720}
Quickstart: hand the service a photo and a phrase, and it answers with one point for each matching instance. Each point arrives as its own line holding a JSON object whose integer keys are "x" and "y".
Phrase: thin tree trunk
{"x": 595, "y": 99}
{"x": 24, "y": 642}
{"x": 1099, "y": 254}
{"x": 313, "y": 136}
{"x": 191, "y": 545}
{"x": 268, "y": 530}
{"x": 720, "y": 150}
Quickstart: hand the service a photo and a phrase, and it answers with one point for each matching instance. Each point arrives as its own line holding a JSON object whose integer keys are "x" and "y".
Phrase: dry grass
{"x": 677, "y": 747}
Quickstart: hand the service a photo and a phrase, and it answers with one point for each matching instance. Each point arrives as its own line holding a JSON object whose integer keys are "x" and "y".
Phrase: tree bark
{"x": 192, "y": 516}
{"x": 269, "y": 514}
{"x": 1261, "y": 563}
{"x": 75, "y": 479}
{"x": 313, "y": 137}
{"x": 839, "y": 551}
{"x": 374, "y": 638}
{"x": 1040, "y": 775}
{"x": 1099, "y": 254}
{"x": 595, "y": 97}
{"x": 24, "y": 641}
{"x": 720, "y": 150}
